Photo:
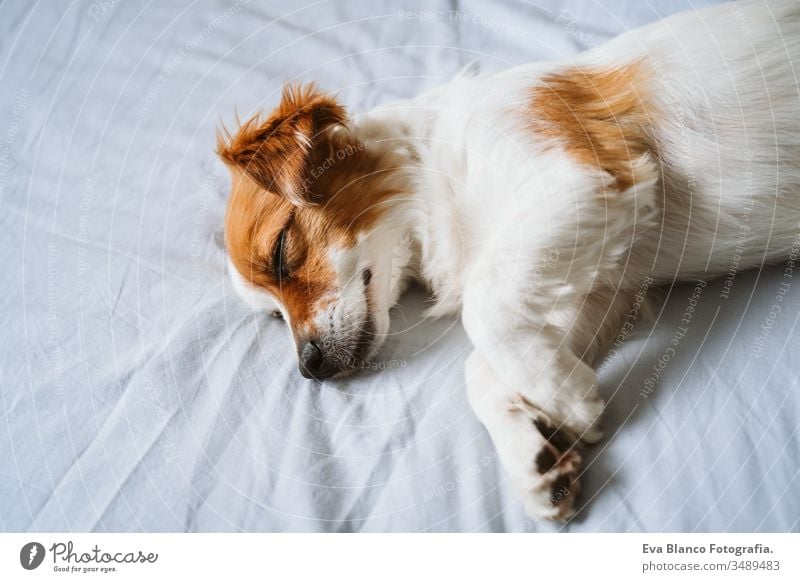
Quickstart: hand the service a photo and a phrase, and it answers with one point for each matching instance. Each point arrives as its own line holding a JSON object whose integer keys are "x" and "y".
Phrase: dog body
{"x": 534, "y": 202}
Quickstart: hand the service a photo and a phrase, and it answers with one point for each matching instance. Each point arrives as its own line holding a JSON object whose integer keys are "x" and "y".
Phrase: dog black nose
{"x": 312, "y": 362}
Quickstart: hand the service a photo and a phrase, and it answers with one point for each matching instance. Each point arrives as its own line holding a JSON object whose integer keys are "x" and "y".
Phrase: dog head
{"x": 308, "y": 230}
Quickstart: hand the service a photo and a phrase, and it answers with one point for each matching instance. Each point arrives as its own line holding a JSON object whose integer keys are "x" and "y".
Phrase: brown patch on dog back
{"x": 598, "y": 116}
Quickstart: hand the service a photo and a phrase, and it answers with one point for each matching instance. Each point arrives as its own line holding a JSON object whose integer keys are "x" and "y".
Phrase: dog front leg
{"x": 534, "y": 394}
{"x": 536, "y": 398}
{"x": 540, "y": 455}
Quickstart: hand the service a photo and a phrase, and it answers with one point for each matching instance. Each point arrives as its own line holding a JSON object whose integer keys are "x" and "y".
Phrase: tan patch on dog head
{"x": 600, "y": 117}
{"x": 300, "y": 276}
{"x": 275, "y": 151}
{"x": 300, "y": 176}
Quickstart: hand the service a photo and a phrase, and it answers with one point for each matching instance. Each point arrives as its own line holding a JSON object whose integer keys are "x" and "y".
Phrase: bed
{"x": 138, "y": 393}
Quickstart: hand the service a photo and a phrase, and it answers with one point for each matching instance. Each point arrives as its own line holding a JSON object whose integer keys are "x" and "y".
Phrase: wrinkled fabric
{"x": 140, "y": 394}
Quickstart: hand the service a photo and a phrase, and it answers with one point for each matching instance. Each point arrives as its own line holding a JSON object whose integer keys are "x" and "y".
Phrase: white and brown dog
{"x": 533, "y": 202}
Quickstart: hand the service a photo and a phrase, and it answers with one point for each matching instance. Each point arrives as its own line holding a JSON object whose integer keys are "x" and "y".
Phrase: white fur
{"x": 514, "y": 234}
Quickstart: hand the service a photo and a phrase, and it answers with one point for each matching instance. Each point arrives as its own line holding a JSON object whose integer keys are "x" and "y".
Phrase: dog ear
{"x": 275, "y": 152}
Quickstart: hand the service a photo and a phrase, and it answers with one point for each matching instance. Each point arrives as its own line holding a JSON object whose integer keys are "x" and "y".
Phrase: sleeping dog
{"x": 535, "y": 203}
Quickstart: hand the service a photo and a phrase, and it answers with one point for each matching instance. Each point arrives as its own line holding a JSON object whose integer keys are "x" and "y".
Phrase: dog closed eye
{"x": 280, "y": 266}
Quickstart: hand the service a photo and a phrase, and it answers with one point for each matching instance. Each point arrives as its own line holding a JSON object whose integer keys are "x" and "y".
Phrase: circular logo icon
{"x": 31, "y": 555}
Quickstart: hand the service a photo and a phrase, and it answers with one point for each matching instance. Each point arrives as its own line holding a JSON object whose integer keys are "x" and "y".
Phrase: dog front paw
{"x": 554, "y": 487}
{"x": 570, "y": 398}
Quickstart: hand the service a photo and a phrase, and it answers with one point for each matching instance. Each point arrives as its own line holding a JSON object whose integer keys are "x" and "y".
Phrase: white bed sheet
{"x": 139, "y": 394}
